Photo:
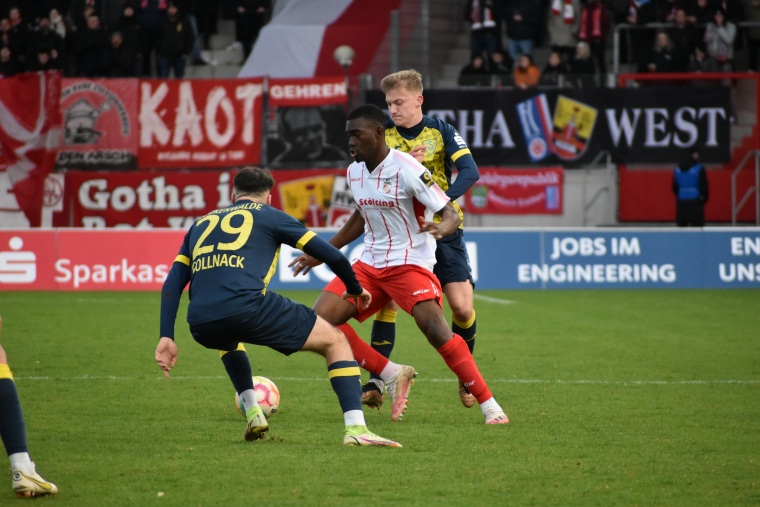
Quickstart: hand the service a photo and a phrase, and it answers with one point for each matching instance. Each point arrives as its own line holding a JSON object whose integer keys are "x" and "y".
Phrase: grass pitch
{"x": 615, "y": 398}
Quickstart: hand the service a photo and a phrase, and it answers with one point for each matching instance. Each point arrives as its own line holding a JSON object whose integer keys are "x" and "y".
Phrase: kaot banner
{"x": 200, "y": 123}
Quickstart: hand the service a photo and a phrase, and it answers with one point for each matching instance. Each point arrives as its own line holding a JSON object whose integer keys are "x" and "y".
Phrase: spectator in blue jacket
{"x": 691, "y": 190}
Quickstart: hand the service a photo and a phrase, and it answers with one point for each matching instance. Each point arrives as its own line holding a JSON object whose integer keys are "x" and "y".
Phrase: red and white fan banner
{"x": 30, "y": 124}
{"x": 200, "y": 123}
{"x": 305, "y": 33}
{"x": 517, "y": 192}
{"x": 307, "y": 92}
{"x": 99, "y": 124}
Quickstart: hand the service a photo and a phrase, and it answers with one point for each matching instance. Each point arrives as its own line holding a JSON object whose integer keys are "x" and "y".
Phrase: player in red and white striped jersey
{"x": 396, "y": 198}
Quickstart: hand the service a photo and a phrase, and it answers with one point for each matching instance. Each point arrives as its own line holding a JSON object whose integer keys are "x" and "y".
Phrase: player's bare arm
{"x": 449, "y": 223}
{"x": 351, "y": 230}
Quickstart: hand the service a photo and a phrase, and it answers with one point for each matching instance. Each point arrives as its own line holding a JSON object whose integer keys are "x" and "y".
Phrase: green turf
{"x": 615, "y": 398}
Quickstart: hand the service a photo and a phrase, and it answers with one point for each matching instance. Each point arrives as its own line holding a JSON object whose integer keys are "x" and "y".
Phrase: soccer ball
{"x": 267, "y": 396}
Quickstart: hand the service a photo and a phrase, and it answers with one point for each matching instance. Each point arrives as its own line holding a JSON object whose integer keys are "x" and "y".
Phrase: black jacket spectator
{"x": 119, "y": 59}
{"x": 475, "y": 73}
{"x": 175, "y": 36}
{"x": 129, "y": 29}
{"x": 684, "y": 36}
{"x": 9, "y": 65}
{"x": 149, "y": 14}
{"x": 583, "y": 68}
{"x": 250, "y": 18}
{"x": 18, "y": 34}
{"x": 46, "y": 40}
{"x": 42, "y": 61}
{"x": 523, "y": 19}
{"x": 87, "y": 46}
{"x": 556, "y": 71}
{"x": 500, "y": 67}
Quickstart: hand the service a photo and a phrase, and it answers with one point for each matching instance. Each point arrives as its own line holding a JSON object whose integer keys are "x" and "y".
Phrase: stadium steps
{"x": 226, "y": 57}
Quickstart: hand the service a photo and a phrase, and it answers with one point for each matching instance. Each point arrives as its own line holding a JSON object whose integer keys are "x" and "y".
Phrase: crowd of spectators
{"x": 662, "y": 36}
{"x": 118, "y": 38}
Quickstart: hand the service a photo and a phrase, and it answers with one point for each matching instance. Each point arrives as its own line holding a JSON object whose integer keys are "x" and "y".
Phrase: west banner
{"x": 516, "y": 192}
{"x": 200, "y": 123}
{"x": 99, "y": 124}
{"x": 567, "y": 127}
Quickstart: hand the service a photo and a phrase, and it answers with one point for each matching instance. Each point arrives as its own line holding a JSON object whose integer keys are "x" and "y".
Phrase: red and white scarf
{"x": 566, "y": 10}
{"x": 594, "y": 12}
{"x": 161, "y": 4}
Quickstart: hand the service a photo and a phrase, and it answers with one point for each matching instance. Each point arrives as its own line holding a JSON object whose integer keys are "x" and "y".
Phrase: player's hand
{"x": 304, "y": 263}
{"x": 430, "y": 227}
{"x": 418, "y": 152}
{"x": 361, "y": 301}
{"x": 166, "y": 354}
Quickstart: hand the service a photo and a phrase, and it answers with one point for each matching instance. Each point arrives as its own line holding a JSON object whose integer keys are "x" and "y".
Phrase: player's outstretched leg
{"x": 27, "y": 483}
{"x": 458, "y": 358}
{"x": 382, "y": 340}
{"x": 345, "y": 379}
{"x": 398, "y": 378}
{"x": 238, "y": 367}
{"x": 467, "y": 330}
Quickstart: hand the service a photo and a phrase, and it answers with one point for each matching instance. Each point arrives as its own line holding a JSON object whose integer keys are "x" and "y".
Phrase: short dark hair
{"x": 369, "y": 112}
{"x": 253, "y": 180}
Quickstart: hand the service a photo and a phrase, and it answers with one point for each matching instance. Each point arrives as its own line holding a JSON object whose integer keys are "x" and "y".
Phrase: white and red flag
{"x": 30, "y": 130}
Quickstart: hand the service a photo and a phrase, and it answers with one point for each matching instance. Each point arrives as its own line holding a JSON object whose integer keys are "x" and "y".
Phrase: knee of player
{"x": 462, "y": 314}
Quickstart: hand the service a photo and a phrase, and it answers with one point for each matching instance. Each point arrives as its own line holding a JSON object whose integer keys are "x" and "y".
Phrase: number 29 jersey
{"x": 232, "y": 255}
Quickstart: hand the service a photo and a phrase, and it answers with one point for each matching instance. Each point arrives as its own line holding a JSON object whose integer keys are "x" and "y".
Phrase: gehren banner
{"x": 200, "y": 123}
{"x": 516, "y": 192}
{"x": 115, "y": 259}
{"x": 567, "y": 127}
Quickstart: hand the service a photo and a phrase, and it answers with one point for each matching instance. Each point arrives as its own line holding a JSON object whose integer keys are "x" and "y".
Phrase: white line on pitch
{"x": 489, "y": 299}
{"x": 444, "y": 380}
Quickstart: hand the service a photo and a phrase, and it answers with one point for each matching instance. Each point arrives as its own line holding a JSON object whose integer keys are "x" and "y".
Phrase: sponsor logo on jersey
{"x": 376, "y": 202}
{"x": 426, "y": 178}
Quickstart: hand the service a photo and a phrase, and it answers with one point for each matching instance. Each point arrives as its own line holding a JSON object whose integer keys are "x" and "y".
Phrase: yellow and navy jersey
{"x": 229, "y": 256}
{"x": 445, "y": 149}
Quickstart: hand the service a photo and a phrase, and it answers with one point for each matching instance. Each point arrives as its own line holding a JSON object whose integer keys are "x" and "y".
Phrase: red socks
{"x": 367, "y": 357}
{"x": 459, "y": 360}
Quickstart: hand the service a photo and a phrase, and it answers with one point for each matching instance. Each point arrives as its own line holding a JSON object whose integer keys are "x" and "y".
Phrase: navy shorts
{"x": 452, "y": 262}
{"x": 275, "y": 322}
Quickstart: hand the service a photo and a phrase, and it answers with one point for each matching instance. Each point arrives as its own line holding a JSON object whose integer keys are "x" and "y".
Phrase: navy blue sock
{"x": 467, "y": 330}
{"x": 238, "y": 368}
{"x": 12, "y": 428}
{"x": 383, "y": 334}
{"x": 345, "y": 378}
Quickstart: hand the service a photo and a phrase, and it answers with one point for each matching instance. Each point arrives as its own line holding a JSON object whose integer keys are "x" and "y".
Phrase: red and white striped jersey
{"x": 390, "y": 199}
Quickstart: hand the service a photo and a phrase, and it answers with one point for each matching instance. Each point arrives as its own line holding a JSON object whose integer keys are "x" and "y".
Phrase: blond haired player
{"x": 440, "y": 148}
